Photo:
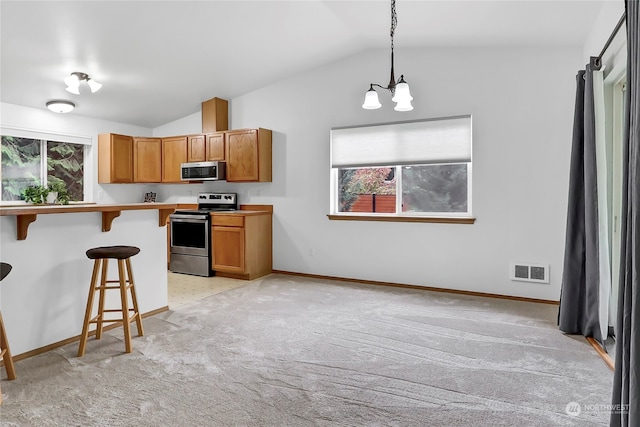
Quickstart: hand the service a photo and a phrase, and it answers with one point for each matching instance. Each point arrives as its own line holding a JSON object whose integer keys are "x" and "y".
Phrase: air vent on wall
{"x": 527, "y": 272}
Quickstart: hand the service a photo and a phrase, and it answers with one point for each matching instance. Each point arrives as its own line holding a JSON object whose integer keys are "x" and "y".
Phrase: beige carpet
{"x": 301, "y": 352}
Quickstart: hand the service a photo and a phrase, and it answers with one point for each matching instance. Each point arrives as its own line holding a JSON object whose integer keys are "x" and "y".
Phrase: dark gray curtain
{"x": 625, "y": 410}
{"x": 579, "y": 298}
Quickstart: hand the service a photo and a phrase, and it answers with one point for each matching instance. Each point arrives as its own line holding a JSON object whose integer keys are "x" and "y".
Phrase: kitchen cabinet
{"x": 215, "y": 147}
{"x": 196, "y": 148}
{"x": 248, "y": 155}
{"x": 174, "y": 152}
{"x": 241, "y": 244}
{"x": 215, "y": 115}
{"x": 147, "y": 159}
{"x": 115, "y": 158}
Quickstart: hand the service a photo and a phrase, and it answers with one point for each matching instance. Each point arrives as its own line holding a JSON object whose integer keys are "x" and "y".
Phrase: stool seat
{"x": 5, "y": 269}
{"x": 112, "y": 252}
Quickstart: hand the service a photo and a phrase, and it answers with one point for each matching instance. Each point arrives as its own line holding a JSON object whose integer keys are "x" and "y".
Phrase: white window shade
{"x": 442, "y": 140}
{"x": 44, "y": 135}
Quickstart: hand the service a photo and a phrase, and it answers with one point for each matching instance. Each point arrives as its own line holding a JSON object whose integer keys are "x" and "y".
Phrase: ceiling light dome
{"x": 60, "y": 106}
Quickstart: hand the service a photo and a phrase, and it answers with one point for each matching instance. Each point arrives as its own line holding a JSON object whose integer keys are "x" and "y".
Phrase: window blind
{"x": 441, "y": 140}
{"x": 44, "y": 135}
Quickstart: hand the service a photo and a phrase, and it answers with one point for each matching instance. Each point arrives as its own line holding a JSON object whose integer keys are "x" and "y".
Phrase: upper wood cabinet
{"x": 248, "y": 155}
{"x": 147, "y": 159}
{"x": 174, "y": 152}
{"x": 196, "y": 148}
{"x": 115, "y": 158}
{"x": 215, "y": 147}
{"x": 215, "y": 115}
{"x": 126, "y": 159}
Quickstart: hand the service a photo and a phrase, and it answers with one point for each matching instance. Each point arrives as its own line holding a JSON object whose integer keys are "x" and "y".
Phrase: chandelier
{"x": 73, "y": 83}
{"x": 399, "y": 90}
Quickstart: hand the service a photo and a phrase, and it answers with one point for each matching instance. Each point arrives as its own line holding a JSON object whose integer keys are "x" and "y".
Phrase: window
{"x": 407, "y": 169}
{"x": 43, "y": 159}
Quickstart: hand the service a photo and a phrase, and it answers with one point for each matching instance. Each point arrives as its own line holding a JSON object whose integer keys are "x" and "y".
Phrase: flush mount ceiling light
{"x": 73, "y": 83}
{"x": 400, "y": 90}
{"x": 60, "y": 106}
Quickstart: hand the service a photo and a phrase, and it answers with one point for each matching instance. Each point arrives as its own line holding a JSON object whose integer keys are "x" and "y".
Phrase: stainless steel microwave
{"x": 203, "y": 171}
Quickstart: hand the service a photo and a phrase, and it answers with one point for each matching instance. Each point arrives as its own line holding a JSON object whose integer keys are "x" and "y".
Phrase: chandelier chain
{"x": 394, "y": 21}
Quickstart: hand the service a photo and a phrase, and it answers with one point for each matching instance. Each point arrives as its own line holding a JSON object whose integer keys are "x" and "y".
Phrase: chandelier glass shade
{"x": 400, "y": 89}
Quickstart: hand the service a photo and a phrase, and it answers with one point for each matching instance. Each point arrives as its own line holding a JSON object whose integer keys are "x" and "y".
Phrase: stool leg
{"x": 125, "y": 306}
{"x": 6, "y": 352}
{"x": 134, "y": 299}
{"x": 103, "y": 284}
{"x": 89, "y": 309}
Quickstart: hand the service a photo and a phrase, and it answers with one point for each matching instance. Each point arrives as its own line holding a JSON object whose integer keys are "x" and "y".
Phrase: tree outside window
{"x": 27, "y": 161}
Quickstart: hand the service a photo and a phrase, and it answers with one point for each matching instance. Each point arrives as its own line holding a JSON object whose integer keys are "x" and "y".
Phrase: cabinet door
{"x": 196, "y": 148}
{"x": 227, "y": 249}
{"x": 215, "y": 147}
{"x": 115, "y": 158}
{"x": 147, "y": 160}
{"x": 174, "y": 152}
{"x": 242, "y": 155}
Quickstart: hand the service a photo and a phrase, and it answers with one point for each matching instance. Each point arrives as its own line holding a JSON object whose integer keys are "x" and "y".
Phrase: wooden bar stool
{"x": 5, "y": 352}
{"x": 101, "y": 257}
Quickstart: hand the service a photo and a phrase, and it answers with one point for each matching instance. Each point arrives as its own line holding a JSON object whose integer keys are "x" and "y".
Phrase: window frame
{"x": 48, "y": 136}
{"x": 400, "y": 216}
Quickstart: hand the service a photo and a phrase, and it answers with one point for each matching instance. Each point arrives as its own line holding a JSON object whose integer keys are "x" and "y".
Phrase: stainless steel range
{"x": 190, "y": 233}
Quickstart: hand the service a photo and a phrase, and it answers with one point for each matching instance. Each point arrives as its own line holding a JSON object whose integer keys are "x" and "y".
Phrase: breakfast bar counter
{"x": 26, "y": 214}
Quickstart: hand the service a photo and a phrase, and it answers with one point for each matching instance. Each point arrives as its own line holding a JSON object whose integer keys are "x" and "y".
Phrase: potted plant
{"x": 58, "y": 192}
{"x": 35, "y": 194}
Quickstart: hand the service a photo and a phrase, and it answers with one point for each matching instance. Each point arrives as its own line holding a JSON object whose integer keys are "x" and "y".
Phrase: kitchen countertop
{"x": 244, "y": 212}
{"x": 26, "y": 214}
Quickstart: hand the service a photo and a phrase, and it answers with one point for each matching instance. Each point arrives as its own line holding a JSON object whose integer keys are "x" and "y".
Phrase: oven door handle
{"x": 188, "y": 218}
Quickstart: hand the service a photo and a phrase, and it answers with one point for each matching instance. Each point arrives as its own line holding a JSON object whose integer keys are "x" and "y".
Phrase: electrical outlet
{"x": 100, "y": 195}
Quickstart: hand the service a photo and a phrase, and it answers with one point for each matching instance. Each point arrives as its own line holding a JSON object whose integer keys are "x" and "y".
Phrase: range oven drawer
{"x": 189, "y": 264}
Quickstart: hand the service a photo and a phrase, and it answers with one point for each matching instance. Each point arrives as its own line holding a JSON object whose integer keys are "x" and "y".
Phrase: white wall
{"x": 602, "y": 28}
{"x": 522, "y": 106}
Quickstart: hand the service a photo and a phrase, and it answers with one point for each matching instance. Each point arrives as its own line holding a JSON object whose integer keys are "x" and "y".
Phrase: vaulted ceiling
{"x": 158, "y": 60}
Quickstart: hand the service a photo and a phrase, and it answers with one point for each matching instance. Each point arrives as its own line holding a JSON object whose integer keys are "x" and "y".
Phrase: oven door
{"x": 190, "y": 234}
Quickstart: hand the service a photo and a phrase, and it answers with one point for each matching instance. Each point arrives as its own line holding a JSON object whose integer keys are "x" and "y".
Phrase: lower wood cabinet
{"x": 241, "y": 244}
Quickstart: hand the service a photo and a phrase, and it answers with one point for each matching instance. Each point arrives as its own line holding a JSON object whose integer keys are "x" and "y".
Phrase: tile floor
{"x": 185, "y": 288}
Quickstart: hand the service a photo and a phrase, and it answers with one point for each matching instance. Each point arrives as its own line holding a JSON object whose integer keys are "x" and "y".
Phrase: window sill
{"x": 399, "y": 218}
